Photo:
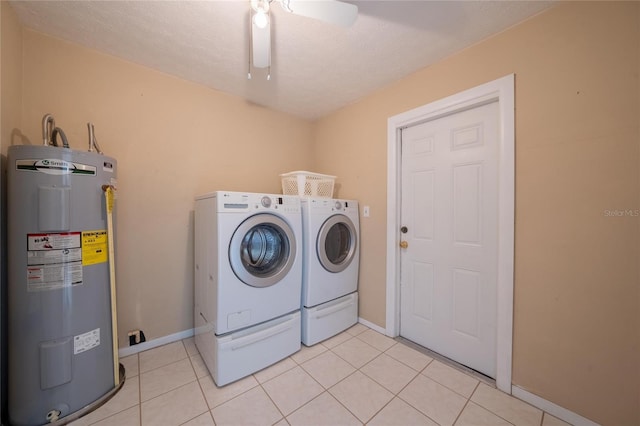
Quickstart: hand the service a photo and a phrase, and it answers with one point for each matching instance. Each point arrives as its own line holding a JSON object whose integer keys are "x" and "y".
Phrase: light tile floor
{"x": 357, "y": 377}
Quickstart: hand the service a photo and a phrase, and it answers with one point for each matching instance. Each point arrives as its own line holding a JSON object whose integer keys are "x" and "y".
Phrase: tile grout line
{"x": 163, "y": 366}
{"x": 273, "y": 402}
{"x": 327, "y": 390}
{"x": 269, "y": 396}
{"x": 355, "y": 337}
{"x": 411, "y": 381}
{"x": 419, "y": 372}
{"x": 208, "y": 410}
{"x": 335, "y": 384}
{"x": 358, "y": 369}
{"x": 351, "y": 336}
{"x": 340, "y": 402}
{"x": 344, "y": 406}
{"x": 464, "y": 407}
{"x": 170, "y": 390}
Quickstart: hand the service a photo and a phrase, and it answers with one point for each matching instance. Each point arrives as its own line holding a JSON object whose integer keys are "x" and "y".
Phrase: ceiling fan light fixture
{"x": 260, "y": 37}
{"x": 261, "y": 20}
{"x": 260, "y": 6}
{"x": 335, "y": 12}
{"x": 261, "y": 47}
{"x": 332, "y": 11}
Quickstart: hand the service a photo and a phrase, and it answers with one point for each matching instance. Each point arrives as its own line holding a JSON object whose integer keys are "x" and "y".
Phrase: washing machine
{"x": 248, "y": 281}
{"x": 331, "y": 261}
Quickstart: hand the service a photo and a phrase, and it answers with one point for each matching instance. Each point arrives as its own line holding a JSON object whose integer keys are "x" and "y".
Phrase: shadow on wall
{"x": 18, "y": 138}
{"x": 336, "y": 190}
{"x": 189, "y": 272}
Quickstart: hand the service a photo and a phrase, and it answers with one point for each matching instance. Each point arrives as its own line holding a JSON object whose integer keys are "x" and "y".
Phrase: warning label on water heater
{"x": 84, "y": 342}
{"x": 94, "y": 247}
{"x": 54, "y": 261}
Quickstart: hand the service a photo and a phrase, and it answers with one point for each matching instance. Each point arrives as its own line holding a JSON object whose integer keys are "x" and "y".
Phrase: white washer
{"x": 248, "y": 273}
{"x": 331, "y": 237}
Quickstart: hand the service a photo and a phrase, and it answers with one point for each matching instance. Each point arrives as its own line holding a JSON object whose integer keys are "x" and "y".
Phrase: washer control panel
{"x": 242, "y": 201}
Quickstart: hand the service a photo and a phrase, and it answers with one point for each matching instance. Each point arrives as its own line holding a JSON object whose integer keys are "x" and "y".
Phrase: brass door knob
{"x": 404, "y": 244}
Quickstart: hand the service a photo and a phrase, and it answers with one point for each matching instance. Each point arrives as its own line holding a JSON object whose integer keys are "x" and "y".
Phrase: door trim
{"x": 502, "y": 91}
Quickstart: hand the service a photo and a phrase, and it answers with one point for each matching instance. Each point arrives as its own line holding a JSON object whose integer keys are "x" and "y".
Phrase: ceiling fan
{"x": 331, "y": 11}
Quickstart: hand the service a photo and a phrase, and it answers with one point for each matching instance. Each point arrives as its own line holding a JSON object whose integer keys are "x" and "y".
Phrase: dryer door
{"x": 262, "y": 250}
{"x": 336, "y": 244}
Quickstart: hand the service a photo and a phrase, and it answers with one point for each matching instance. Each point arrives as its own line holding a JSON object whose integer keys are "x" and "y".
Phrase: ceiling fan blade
{"x": 332, "y": 11}
{"x": 261, "y": 45}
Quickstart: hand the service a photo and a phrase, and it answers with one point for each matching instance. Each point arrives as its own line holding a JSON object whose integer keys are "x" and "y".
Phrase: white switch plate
{"x": 365, "y": 211}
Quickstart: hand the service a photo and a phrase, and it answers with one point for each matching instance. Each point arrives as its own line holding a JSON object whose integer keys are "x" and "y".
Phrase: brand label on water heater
{"x": 84, "y": 342}
{"x": 54, "y": 166}
{"x": 54, "y": 261}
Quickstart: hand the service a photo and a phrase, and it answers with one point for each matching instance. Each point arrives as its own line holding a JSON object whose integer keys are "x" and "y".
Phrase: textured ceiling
{"x": 317, "y": 67}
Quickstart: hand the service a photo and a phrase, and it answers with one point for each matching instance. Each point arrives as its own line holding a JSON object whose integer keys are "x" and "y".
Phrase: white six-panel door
{"x": 449, "y": 206}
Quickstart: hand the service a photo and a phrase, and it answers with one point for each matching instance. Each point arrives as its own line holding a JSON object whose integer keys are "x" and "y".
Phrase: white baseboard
{"x": 551, "y": 408}
{"x": 372, "y": 325}
{"x": 150, "y": 344}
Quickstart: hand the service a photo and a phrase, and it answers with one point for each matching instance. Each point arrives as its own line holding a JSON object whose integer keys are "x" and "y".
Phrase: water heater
{"x": 61, "y": 358}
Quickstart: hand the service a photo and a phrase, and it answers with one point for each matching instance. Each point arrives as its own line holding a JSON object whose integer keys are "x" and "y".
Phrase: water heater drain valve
{"x": 53, "y": 416}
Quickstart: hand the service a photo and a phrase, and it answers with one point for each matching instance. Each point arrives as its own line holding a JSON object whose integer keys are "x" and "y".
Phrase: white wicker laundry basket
{"x": 307, "y": 184}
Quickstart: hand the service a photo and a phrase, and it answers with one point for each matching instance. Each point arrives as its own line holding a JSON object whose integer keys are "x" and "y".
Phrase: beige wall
{"x": 10, "y": 100}
{"x": 577, "y": 316}
{"x": 173, "y": 140}
{"x": 577, "y": 322}
{"x": 11, "y": 75}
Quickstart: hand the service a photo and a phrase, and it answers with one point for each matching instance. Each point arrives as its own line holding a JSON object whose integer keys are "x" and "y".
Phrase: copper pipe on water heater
{"x": 48, "y": 125}
{"x": 93, "y": 142}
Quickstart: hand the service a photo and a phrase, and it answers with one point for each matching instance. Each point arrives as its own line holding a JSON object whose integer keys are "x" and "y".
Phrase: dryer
{"x": 331, "y": 238}
{"x": 248, "y": 274}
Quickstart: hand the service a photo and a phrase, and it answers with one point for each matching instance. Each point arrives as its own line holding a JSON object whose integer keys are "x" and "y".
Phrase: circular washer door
{"x": 336, "y": 244}
{"x": 262, "y": 250}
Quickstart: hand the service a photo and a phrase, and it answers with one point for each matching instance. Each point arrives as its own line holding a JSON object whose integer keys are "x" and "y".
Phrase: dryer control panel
{"x": 327, "y": 205}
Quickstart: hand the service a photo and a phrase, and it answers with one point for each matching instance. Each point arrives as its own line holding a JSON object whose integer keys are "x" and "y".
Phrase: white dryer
{"x": 248, "y": 273}
{"x": 331, "y": 238}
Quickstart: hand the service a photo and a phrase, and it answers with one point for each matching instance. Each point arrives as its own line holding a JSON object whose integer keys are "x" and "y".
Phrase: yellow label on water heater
{"x": 94, "y": 247}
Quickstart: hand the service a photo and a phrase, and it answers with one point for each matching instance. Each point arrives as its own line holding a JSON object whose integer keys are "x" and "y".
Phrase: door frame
{"x": 502, "y": 91}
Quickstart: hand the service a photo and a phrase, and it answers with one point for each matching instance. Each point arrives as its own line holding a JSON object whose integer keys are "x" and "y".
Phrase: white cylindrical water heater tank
{"x": 60, "y": 352}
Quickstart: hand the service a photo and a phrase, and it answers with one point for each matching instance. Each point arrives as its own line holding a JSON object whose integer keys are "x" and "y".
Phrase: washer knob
{"x": 266, "y": 202}
{"x": 338, "y": 205}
